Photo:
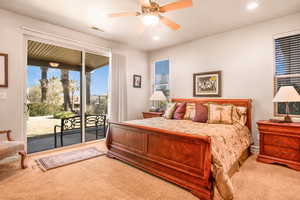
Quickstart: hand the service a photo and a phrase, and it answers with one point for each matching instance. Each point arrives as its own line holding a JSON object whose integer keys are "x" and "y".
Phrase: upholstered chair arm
{"x": 7, "y": 132}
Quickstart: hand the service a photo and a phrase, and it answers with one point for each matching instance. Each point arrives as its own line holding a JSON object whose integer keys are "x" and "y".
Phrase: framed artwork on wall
{"x": 3, "y": 70}
{"x": 207, "y": 84}
{"x": 137, "y": 81}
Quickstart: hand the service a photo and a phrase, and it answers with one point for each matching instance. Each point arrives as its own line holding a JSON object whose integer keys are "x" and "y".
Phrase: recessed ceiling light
{"x": 252, "y": 5}
{"x": 155, "y": 37}
{"x": 53, "y": 64}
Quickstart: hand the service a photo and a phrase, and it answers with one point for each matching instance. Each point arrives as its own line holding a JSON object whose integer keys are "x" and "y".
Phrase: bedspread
{"x": 228, "y": 142}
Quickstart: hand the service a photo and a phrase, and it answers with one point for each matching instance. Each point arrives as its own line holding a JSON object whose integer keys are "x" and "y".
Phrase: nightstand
{"x": 152, "y": 114}
{"x": 279, "y": 143}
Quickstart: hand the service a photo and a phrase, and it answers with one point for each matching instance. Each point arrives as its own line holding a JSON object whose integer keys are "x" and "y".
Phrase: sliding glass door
{"x": 62, "y": 108}
{"x": 96, "y": 95}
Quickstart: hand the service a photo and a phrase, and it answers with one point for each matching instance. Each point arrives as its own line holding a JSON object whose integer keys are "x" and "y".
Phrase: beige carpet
{"x": 102, "y": 178}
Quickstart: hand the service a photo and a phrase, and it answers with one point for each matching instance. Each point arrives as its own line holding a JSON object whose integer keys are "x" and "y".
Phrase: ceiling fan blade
{"x": 176, "y": 5}
{"x": 124, "y": 14}
{"x": 169, "y": 23}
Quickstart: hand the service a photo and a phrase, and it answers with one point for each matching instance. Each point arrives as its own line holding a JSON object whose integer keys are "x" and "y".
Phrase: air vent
{"x": 97, "y": 29}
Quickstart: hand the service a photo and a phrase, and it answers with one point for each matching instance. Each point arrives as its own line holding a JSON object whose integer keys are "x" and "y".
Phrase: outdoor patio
{"x": 46, "y": 141}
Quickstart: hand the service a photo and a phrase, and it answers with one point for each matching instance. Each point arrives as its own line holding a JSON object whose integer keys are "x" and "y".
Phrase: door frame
{"x": 61, "y": 41}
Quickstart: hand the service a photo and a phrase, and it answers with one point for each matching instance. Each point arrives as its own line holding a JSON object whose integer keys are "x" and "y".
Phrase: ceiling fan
{"x": 150, "y": 11}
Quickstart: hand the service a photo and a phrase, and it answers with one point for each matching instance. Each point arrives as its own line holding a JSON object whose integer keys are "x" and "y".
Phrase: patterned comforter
{"x": 228, "y": 144}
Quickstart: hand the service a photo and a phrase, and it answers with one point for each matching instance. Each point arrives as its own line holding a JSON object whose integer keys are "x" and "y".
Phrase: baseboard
{"x": 10, "y": 159}
{"x": 254, "y": 149}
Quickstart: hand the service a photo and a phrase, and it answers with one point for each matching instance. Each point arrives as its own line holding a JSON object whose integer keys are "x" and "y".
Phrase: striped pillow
{"x": 219, "y": 114}
{"x": 190, "y": 111}
{"x": 170, "y": 111}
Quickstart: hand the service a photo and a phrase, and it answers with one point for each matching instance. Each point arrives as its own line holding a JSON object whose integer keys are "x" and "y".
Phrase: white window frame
{"x": 152, "y": 88}
{"x": 277, "y": 36}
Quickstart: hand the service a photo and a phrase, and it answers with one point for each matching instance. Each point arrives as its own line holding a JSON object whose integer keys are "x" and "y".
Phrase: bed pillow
{"x": 201, "y": 113}
{"x": 169, "y": 111}
{"x": 180, "y": 111}
{"x": 219, "y": 114}
{"x": 190, "y": 111}
{"x": 239, "y": 115}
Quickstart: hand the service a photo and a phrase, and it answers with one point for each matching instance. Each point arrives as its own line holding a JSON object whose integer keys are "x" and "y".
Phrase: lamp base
{"x": 288, "y": 119}
{"x": 153, "y": 109}
{"x": 161, "y": 110}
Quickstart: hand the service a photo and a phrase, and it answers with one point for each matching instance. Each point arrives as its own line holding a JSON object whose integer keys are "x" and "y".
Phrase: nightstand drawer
{"x": 151, "y": 114}
{"x": 282, "y": 141}
{"x": 280, "y": 129}
{"x": 280, "y": 152}
{"x": 147, "y": 115}
{"x": 279, "y": 143}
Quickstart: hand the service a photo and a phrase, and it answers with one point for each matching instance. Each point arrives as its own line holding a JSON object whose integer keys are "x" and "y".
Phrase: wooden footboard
{"x": 177, "y": 157}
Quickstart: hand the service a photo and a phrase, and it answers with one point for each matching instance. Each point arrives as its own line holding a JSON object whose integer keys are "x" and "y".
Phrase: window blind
{"x": 287, "y": 69}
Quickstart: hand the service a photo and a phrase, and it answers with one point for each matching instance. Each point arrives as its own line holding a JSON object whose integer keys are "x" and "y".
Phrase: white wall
{"x": 138, "y": 98}
{"x": 11, "y": 42}
{"x": 245, "y": 57}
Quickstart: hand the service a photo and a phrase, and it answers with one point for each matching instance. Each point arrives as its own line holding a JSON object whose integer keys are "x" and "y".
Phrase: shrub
{"x": 64, "y": 114}
{"x": 42, "y": 109}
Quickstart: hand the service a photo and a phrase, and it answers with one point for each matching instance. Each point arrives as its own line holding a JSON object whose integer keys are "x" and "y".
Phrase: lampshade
{"x": 158, "y": 96}
{"x": 287, "y": 94}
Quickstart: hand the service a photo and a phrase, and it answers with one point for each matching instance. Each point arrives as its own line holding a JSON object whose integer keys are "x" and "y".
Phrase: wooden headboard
{"x": 237, "y": 102}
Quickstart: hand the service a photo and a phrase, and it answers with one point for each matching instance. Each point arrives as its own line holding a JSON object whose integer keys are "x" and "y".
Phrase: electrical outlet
{"x": 3, "y": 95}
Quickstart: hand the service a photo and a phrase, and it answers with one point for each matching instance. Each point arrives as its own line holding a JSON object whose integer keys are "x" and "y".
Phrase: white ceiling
{"x": 206, "y": 17}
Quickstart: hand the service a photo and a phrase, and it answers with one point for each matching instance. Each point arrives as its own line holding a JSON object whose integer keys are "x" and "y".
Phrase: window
{"x": 287, "y": 70}
{"x": 161, "y": 77}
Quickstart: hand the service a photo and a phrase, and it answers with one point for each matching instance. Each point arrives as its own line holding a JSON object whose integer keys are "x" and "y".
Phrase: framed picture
{"x": 207, "y": 84}
{"x": 137, "y": 81}
{"x": 3, "y": 70}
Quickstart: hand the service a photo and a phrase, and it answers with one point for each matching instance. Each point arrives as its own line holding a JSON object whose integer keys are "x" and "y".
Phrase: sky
{"x": 161, "y": 70}
{"x": 99, "y": 78}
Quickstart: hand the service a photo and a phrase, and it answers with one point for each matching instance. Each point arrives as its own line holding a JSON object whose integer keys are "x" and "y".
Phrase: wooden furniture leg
{"x": 23, "y": 155}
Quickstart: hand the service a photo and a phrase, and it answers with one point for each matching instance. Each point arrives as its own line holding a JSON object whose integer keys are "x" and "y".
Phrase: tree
{"x": 34, "y": 94}
{"x": 66, "y": 86}
{"x": 73, "y": 89}
{"x": 88, "y": 88}
{"x": 44, "y": 84}
{"x": 54, "y": 94}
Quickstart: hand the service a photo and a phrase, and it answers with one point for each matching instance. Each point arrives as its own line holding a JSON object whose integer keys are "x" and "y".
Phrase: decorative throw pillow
{"x": 170, "y": 110}
{"x": 219, "y": 114}
{"x": 239, "y": 115}
{"x": 201, "y": 114}
{"x": 180, "y": 111}
{"x": 190, "y": 111}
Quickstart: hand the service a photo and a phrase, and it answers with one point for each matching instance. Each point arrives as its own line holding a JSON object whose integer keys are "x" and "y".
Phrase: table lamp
{"x": 157, "y": 96}
{"x": 287, "y": 94}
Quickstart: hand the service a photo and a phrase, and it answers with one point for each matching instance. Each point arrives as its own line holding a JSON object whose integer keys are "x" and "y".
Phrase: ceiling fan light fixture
{"x": 155, "y": 37}
{"x": 252, "y": 5}
{"x": 150, "y": 19}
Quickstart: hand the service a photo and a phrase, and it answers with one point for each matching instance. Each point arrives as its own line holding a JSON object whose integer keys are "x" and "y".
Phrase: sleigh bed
{"x": 169, "y": 153}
